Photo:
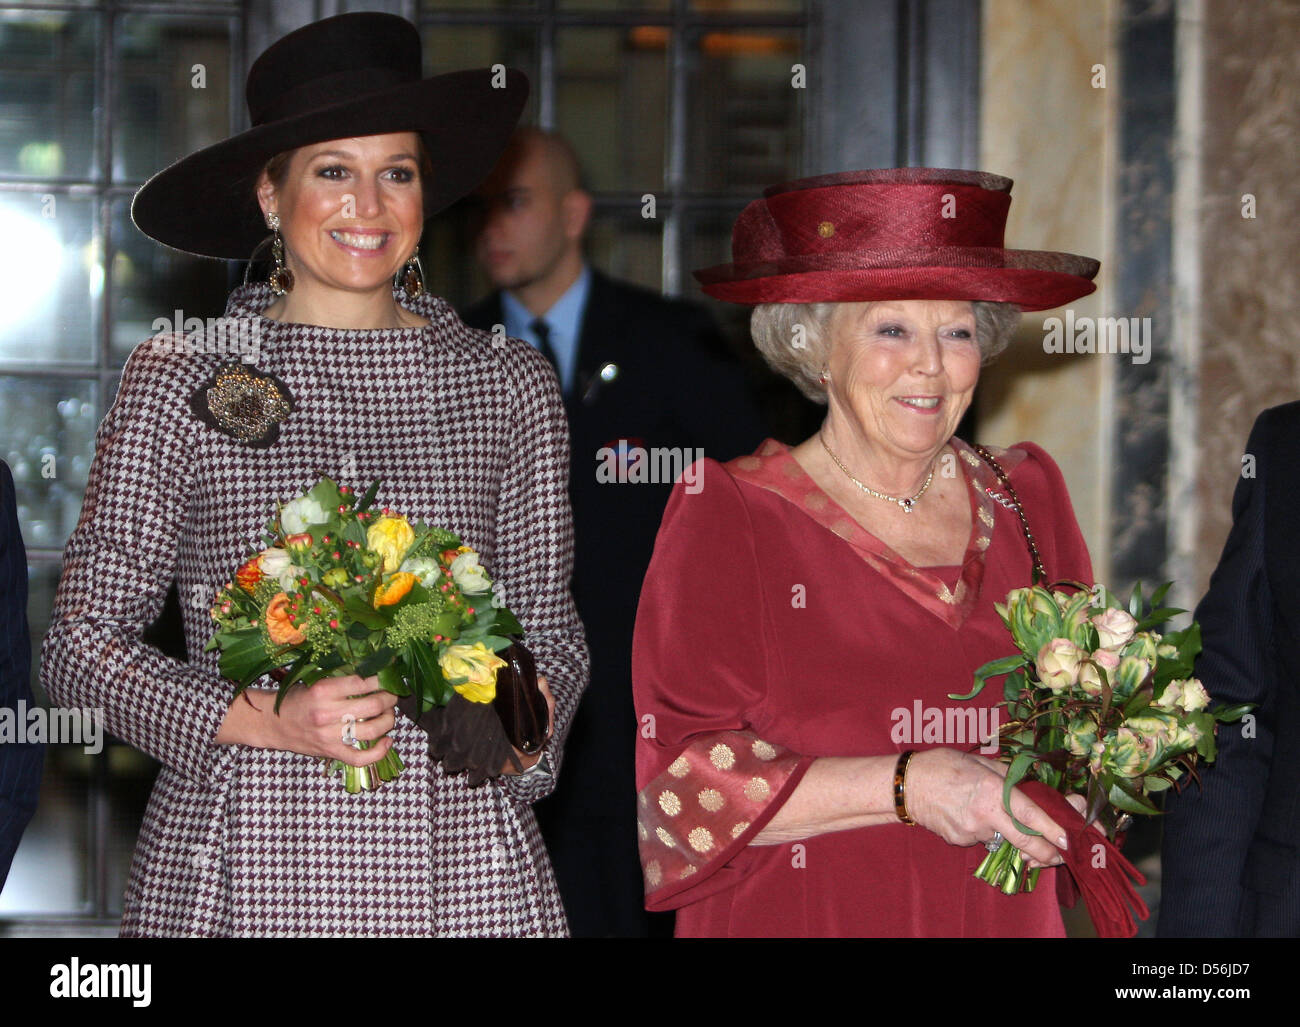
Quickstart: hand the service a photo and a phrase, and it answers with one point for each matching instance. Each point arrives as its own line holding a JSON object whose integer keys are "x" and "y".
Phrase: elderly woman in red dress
{"x": 809, "y": 610}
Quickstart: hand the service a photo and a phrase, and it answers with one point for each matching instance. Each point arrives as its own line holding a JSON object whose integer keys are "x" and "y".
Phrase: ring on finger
{"x": 994, "y": 843}
{"x": 349, "y": 730}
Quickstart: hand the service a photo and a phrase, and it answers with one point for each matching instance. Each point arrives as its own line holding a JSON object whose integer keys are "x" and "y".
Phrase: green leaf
{"x": 326, "y": 493}
{"x": 1188, "y": 642}
{"x": 244, "y": 657}
{"x": 311, "y": 675}
{"x": 1158, "y": 617}
{"x": 359, "y": 610}
{"x": 1130, "y": 800}
{"x": 1141, "y": 698}
{"x": 1206, "y": 747}
{"x": 1158, "y": 596}
{"x": 418, "y": 594}
{"x": 1231, "y": 714}
{"x": 375, "y": 661}
{"x": 1135, "y": 602}
{"x": 447, "y": 624}
{"x": 431, "y": 685}
{"x": 330, "y": 661}
{"x": 391, "y": 680}
{"x": 368, "y": 497}
{"x": 296, "y": 670}
{"x": 1015, "y": 774}
{"x": 507, "y": 623}
{"x": 991, "y": 669}
{"x": 283, "y": 691}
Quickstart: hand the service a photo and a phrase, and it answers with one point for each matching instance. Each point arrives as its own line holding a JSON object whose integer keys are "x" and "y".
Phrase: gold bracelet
{"x": 900, "y": 798}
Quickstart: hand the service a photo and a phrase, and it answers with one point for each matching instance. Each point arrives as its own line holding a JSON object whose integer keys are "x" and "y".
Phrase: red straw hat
{"x": 891, "y": 234}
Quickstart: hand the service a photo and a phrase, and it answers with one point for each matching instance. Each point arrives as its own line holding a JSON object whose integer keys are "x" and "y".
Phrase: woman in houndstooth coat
{"x": 243, "y": 835}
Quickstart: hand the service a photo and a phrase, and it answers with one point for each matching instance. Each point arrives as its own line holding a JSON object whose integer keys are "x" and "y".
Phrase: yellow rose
{"x": 390, "y": 537}
{"x": 472, "y": 671}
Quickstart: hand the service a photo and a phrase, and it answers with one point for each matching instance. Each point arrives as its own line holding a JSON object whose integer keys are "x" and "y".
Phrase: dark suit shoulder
{"x": 1274, "y": 425}
{"x": 682, "y": 318}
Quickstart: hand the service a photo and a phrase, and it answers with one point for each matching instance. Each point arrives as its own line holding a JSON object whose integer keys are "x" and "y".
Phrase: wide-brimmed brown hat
{"x": 890, "y": 234}
{"x": 353, "y": 75}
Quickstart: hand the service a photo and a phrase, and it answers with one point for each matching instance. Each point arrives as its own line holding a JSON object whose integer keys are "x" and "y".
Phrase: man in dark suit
{"x": 20, "y": 762}
{"x": 648, "y": 386}
{"x": 1231, "y": 858}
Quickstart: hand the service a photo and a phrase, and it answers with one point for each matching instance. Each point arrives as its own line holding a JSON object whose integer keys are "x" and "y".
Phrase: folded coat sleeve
{"x": 707, "y": 782}
{"x": 117, "y": 567}
{"x": 534, "y": 555}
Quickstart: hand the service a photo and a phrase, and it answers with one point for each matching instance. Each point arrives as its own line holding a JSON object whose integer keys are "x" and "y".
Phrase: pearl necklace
{"x": 906, "y": 504}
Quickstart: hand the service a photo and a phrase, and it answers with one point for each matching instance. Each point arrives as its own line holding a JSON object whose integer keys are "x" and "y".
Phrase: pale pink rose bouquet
{"x": 1099, "y": 704}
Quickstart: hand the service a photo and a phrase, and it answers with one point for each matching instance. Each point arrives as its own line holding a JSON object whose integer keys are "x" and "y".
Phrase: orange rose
{"x": 249, "y": 574}
{"x": 278, "y": 624}
{"x": 398, "y": 585}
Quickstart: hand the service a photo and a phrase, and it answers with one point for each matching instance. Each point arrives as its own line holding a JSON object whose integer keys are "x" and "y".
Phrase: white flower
{"x": 272, "y": 562}
{"x": 426, "y": 568}
{"x": 298, "y": 515}
{"x": 1114, "y": 628}
{"x": 469, "y": 575}
{"x": 1195, "y": 697}
{"x": 276, "y": 563}
{"x": 1188, "y": 696}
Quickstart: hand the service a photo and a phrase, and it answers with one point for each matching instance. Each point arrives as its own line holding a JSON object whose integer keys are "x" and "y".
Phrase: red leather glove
{"x": 1108, "y": 889}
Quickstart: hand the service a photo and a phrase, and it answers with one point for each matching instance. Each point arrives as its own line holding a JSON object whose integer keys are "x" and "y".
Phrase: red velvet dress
{"x": 772, "y": 630}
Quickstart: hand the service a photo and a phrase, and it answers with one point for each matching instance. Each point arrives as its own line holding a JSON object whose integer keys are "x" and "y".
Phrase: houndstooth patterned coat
{"x": 466, "y": 431}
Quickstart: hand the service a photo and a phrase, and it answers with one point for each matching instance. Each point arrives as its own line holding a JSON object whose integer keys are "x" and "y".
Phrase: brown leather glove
{"x": 465, "y": 737}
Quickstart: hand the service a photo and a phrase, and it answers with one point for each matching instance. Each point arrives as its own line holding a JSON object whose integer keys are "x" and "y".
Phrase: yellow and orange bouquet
{"x": 341, "y": 588}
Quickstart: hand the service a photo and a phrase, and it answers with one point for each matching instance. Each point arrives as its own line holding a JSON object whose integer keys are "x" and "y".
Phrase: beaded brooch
{"x": 244, "y": 403}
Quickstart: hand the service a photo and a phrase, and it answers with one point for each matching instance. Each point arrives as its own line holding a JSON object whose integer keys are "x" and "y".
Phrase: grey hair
{"x": 995, "y": 327}
{"x": 795, "y": 338}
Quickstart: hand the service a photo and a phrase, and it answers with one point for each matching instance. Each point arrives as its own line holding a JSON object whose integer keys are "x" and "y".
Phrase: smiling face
{"x": 902, "y": 373}
{"x": 351, "y": 211}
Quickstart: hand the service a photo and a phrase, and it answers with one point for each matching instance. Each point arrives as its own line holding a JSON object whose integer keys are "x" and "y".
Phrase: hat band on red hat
{"x": 857, "y": 217}
{"x": 935, "y": 257}
{"x": 327, "y": 90}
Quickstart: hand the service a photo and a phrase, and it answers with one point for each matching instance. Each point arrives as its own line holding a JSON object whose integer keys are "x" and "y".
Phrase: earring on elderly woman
{"x": 281, "y": 278}
{"x": 411, "y": 276}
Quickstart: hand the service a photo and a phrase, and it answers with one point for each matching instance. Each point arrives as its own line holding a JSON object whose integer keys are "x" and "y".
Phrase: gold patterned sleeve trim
{"x": 705, "y": 807}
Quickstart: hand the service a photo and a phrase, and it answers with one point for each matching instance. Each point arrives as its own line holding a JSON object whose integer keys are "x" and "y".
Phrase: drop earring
{"x": 281, "y": 278}
{"x": 411, "y": 276}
